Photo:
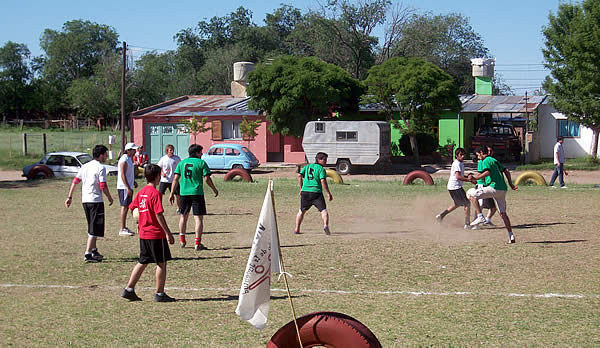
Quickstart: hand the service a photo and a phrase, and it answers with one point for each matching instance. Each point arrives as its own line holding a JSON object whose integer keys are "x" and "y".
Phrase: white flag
{"x": 255, "y": 292}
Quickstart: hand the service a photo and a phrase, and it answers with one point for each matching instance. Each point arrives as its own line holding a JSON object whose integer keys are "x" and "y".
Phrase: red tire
{"x": 238, "y": 172}
{"x": 40, "y": 171}
{"x": 325, "y": 329}
{"x": 418, "y": 174}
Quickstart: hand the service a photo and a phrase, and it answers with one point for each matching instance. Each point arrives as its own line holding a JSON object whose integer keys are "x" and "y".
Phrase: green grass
{"x": 385, "y": 244}
{"x": 11, "y": 148}
{"x": 581, "y": 163}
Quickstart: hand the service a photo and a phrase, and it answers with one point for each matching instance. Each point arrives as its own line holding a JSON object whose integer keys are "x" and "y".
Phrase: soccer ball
{"x": 136, "y": 214}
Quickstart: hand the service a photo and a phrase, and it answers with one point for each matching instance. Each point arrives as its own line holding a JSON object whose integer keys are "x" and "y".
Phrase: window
{"x": 167, "y": 130}
{"x": 346, "y": 136}
{"x": 567, "y": 128}
{"x": 319, "y": 127}
{"x": 55, "y": 160}
{"x": 232, "y": 152}
{"x": 231, "y": 129}
{"x": 84, "y": 158}
{"x": 71, "y": 161}
{"x": 216, "y": 151}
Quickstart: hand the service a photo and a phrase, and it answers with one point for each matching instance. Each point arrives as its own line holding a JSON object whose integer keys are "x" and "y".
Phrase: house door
{"x": 161, "y": 135}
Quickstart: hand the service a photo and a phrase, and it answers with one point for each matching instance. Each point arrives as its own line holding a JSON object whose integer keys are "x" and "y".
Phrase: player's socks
{"x": 197, "y": 241}
{"x": 182, "y": 240}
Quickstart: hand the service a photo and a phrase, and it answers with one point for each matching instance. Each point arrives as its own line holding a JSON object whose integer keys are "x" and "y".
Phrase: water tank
{"x": 241, "y": 70}
{"x": 483, "y": 67}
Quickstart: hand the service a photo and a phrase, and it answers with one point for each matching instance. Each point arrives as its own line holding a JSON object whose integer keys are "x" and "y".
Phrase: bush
{"x": 427, "y": 144}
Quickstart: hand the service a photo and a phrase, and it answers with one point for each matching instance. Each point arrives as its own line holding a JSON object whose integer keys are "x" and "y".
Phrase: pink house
{"x": 162, "y": 124}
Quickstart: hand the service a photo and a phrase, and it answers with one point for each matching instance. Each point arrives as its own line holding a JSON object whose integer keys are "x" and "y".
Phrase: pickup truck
{"x": 501, "y": 137}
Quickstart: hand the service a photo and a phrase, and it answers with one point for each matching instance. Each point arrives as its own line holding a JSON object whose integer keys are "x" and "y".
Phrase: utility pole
{"x": 123, "y": 140}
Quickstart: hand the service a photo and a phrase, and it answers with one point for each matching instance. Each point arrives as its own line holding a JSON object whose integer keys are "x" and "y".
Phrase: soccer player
{"x": 168, "y": 163}
{"x": 457, "y": 193}
{"x": 92, "y": 177}
{"x": 494, "y": 187}
{"x": 125, "y": 185}
{"x": 155, "y": 237}
{"x": 191, "y": 172}
{"x": 313, "y": 179}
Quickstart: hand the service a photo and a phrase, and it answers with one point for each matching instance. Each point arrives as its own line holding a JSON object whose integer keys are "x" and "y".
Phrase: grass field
{"x": 387, "y": 264}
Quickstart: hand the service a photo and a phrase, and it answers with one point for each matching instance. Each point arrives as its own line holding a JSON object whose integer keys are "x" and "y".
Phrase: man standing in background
{"x": 559, "y": 162}
{"x": 125, "y": 185}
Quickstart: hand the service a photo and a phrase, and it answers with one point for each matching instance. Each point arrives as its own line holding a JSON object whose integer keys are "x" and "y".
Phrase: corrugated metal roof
{"x": 199, "y": 105}
{"x": 501, "y": 104}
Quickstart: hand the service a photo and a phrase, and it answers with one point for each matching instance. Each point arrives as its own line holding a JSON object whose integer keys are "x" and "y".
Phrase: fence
{"x": 32, "y": 144}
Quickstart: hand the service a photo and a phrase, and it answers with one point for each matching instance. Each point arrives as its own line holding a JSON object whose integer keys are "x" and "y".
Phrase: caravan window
{"x": 319, "y": 127}
{"x": 346, "y": 136}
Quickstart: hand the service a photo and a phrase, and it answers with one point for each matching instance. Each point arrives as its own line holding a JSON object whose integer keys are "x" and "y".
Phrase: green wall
{"x": 483, "y": 85}
{"x": 449, "y": 129}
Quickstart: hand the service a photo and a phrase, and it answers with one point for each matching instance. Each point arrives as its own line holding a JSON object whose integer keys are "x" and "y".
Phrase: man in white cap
{"x": 125, "y": 185}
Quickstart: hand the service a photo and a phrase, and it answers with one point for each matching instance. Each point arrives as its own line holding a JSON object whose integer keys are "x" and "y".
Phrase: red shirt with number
{"x": 148, "y": 203}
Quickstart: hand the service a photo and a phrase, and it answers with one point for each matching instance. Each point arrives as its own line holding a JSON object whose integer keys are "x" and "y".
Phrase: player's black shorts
{"x": 459, "y": 197}
{"x": 195, "y": 203}
{"x": 308, "y": 199}
{"x": 154, "y": 251}
{"x": 124, "y": 199}
{"x": 488, "y": 203}
{"x": 94, "y": 213}
{"x": 163, "y": 186}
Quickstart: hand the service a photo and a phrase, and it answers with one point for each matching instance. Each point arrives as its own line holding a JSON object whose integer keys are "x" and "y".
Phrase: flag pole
{"x": 282, "y": 265}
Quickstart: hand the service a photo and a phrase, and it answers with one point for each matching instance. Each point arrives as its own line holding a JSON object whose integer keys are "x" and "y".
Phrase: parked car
{"x": 61, "y": 164}
{"x": 228, "y": 156}
{"x": 501, "y": 137}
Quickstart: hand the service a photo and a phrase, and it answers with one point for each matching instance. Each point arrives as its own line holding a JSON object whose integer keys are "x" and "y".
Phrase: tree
{"x": 15, "y": 74}
{"x": 248, "y": 129}
{"x": 417, "y": 89}
{"x": 74, "y": 52}
{"x": 572, "y": 55}
{"x": 194, "y": 126}
{"x": 447, "y": 41}
{"x": 293, "y": 91}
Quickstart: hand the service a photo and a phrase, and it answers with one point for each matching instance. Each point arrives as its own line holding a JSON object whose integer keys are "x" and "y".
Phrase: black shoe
{"x": 199, "y": 247}
{"x": 163, "y": 298}
{"x": 90, "y": 258}
{"x": 130, "y": 295}
{"x": 97, "y": 255}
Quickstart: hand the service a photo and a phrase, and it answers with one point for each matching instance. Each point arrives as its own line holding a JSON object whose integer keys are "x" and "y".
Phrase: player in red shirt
{"x": 154, "y": 236}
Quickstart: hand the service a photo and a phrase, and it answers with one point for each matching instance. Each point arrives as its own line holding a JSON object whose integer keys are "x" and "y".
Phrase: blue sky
{"x": 511, "y": 29}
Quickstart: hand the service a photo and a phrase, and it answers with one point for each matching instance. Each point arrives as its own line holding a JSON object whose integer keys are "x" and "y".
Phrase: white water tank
{"x": 483, "y": 67}
{"x": 241, "y": 70}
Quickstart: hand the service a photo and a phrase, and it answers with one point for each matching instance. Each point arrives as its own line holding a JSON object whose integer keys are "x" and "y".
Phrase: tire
{"x": 237, "y": 166}
{"x": 418, "y": 174}
{"x": 334, "y": 176}
{"x": 242, "y": 173}
{"x": 40, "y": 171}
{"x": 343, "y": 167}
{"x": 530, "y": 175}
{"x": 325, "y": 329}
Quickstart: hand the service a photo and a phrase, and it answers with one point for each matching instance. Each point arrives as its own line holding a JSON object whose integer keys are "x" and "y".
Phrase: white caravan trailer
{"x": 348, "y": 143}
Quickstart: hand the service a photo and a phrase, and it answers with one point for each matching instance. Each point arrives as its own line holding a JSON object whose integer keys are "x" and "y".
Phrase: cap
{"x": 130, "y": 146}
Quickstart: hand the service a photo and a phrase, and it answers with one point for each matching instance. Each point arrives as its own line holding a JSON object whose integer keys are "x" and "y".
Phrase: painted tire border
{"x": 40, "y": 168}
{"x": 533, "y": 175}
{"x": 418, "y": 174}
{"x": 238, "y": 172}
{"x": 334, "y": 176}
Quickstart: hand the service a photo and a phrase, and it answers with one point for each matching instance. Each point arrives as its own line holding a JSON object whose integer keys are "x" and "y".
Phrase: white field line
{"x": 325, "y": 291}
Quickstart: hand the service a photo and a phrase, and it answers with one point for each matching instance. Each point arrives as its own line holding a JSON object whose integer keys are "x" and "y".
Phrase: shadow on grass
{"x": 526, "y": 226}
{"x": 229, "y": 298}
{"x": 19, "y": 184}
{"x": 229, "y": 214}
{"x": 135, "y": 259}
{"x": 559, "y": 241}
{"x": 248, "y": 247}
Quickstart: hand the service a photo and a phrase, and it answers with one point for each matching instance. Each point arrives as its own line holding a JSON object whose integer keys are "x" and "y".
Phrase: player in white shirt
{"x": 455, "y": 183}
{"x": 125, "y": 185}
{"x": 167, "y": 164}
{"x": 92, "y": 176}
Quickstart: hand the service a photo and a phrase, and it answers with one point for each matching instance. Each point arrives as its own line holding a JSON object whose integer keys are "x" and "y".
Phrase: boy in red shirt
{"x": 154, "y": 234}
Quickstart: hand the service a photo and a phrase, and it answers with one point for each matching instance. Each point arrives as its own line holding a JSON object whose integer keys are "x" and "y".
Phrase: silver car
{"x": 62, "y": 164}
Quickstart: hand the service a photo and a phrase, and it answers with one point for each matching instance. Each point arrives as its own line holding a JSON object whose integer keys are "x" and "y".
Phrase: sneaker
{"x": 130, "y": 295}
{"x": 478, "y": 221}
{"x": 126, "y": 232}
{"x": 296, "y": 232}
{"x": 178, "y": 211}
{"x": 90, "y": 258}
{"x": 511, "y": 239}
{"x": 489, "y": 224}
{"x": 97, "y": 255}
{"x": 468, "y": 227}
{"x": 439, "y": 218}
{"x": 564, "y": 186}
{"x": 199, "y": 247}
{"x": 163, "y": 298}
{"x": 326, "y": 230}
{"x": 552, "y": 186}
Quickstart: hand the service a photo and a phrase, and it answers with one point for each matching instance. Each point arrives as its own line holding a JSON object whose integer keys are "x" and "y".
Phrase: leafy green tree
{"x": 572, "y": 54}
{"x": 194, "y": 126}
{"x": 418, "y": 90}
{"x": 73, "y": 53}
{"x": 248, "y": 129}
{"x": 293, "y": 91}
{"x": 447, "y": 41}
{"x": 15, "y": 74}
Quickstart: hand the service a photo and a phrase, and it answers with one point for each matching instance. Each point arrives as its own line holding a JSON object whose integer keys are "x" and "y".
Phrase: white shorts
{"x": 489, "y": 192}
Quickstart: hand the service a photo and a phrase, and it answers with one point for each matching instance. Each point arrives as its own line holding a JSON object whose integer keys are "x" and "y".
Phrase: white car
{"x": 61, "y": 164}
